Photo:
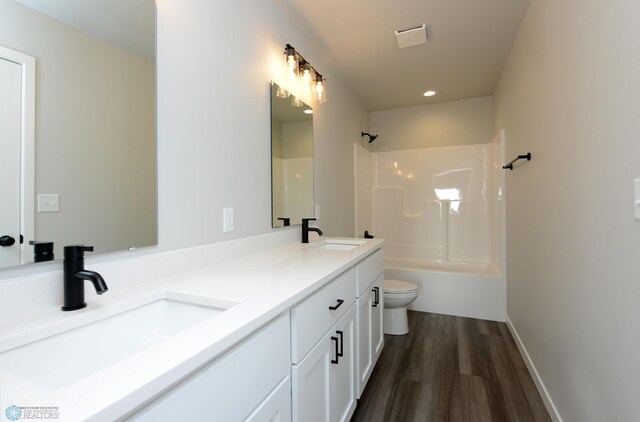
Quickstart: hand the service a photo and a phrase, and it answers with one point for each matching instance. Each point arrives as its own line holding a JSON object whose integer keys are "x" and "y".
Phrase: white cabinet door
{"x": 343, "y": 373}
{"x": 276, "y": 407}
{"x": 377, "y": 329}
{"x": 364, "y": 351}
{"x": 323, "y": 384}
{"x": 310, "y": 384}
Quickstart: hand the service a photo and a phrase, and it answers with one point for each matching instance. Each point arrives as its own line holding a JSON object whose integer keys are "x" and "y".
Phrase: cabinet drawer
{"x": 311, "y": 319}
{"x": 368, "y": 270}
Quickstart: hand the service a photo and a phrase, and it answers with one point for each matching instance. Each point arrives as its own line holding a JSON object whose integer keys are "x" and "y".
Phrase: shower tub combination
{"x": 440, "y": 211}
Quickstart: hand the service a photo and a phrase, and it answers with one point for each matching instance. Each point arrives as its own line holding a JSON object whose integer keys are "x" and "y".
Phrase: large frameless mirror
{"x": 291, "y": 158}
{"x": 79, "y": 154}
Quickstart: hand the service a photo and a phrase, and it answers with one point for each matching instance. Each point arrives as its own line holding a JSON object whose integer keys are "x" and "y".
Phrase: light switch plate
{"x": 227, "y": 220}
{"x": 636, "y": 198}
{"x": 49, "y": 202}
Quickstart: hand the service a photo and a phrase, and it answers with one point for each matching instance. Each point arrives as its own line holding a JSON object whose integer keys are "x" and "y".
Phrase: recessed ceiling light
{"x": 429, "y": 93}
{"x": 308, "y": 111}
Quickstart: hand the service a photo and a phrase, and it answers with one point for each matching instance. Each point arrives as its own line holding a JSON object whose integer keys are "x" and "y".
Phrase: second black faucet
{"x": 306, "y": 229}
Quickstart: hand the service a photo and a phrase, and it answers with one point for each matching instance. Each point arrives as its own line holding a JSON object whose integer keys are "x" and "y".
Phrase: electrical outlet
{"x": 227, "y": 220}
{"x": 48, "y": 203}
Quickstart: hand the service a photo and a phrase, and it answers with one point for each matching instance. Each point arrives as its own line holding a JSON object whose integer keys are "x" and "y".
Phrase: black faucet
{"x": 286, "y": 221}
{"x": 306, "y": 229}
{"x": 75, "y": 275}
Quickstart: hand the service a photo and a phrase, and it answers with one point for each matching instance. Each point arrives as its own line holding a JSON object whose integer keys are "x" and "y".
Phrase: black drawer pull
{"x": 376, "y": 297}
{"x": 341, "y": 334}
{"x": 337, "y": 352}
{"x": 340, "y": 302}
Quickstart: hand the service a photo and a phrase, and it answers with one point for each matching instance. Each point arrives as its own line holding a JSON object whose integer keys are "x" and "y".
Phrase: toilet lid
{"x": 397, "y": 286}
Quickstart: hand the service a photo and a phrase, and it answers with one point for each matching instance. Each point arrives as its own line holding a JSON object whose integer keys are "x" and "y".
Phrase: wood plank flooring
{"x": 450, "y": 369}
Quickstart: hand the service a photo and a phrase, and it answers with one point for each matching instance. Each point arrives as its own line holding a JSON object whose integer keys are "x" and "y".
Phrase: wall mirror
{"x": 291, "y": 158}
{"x": 87, "y": 174}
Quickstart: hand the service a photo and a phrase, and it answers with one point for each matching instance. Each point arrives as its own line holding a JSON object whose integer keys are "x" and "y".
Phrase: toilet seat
{"x": 397, "y": 286}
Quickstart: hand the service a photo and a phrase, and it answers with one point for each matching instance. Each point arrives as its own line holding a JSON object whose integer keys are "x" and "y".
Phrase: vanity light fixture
{"x": 298, "y": 68}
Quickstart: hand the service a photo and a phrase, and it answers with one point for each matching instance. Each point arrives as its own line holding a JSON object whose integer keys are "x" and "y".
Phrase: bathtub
{"x": 468, "y": 289}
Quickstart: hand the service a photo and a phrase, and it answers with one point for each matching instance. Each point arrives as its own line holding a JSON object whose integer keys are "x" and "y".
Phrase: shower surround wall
{"x": 439, "y": 210}
{"x": 436, "y": 207}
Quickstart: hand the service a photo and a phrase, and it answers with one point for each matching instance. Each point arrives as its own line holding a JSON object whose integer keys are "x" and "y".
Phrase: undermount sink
{"x": 62, "y": 359}
{"x": 340, "y": 244}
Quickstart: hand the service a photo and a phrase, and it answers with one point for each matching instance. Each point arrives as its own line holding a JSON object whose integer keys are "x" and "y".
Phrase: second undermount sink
{"x": 340, "y": 244}
{"x": 62, "y": 359}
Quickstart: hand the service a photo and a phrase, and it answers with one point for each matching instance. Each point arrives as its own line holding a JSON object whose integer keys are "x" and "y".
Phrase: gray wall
{"x": 462, "y": 122}
{"x": 570, "y": 94}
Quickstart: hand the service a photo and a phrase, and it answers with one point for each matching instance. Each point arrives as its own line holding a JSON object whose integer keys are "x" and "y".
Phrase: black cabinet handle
{"x": 341, "y": 352}
{"x": 337, "y": 352}
{"x": 337, "y": 305}
{"x": 376, "y": 297}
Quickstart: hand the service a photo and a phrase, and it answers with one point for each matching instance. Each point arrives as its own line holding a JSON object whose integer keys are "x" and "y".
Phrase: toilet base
{"x": 395, "y": 321}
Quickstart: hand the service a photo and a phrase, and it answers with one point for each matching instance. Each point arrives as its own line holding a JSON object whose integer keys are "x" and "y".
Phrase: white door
{"x": 10, "y": 144}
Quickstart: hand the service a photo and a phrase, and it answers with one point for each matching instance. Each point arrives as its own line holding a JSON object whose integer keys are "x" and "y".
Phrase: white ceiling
{"x": 468, "y": 42}
{"x": 127, "y": 24}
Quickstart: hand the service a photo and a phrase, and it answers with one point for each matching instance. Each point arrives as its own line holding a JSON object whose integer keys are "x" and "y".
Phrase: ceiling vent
{"x": 412, "y": 36}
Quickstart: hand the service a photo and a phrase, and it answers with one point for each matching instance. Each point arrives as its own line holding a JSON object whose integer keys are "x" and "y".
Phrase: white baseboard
{"x": 546, "y": 398}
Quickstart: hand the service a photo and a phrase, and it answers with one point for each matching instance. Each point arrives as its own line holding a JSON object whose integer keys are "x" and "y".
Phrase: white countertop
{"x": 264, "y": 284}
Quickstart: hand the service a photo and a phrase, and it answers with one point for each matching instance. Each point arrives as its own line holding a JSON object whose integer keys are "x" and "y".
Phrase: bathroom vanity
{"x": 291, "y": 331}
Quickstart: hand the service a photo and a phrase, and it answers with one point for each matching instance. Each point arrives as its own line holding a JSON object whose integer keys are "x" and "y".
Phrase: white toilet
{"x": 397, "y": 296}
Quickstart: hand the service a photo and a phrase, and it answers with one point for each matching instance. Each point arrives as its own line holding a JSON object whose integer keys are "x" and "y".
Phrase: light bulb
{"x": 291, "y": 68}
{"x": 320, "y": 93}
{"x": 306, "y": 74}
{"x": 306, "y": 78}
{"x": 295, "y": 101}
{"x": 291, "y": 62}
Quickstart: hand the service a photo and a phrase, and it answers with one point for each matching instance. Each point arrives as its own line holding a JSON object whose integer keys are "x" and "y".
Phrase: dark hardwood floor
{"x": 450, "y": 369}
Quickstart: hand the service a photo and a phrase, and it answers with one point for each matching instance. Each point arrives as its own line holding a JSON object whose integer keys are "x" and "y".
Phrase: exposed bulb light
{"x": 429, "y": 93}
{"x": 295, "y": 101}
{"x": 306, "y": 73}
{"x": 291, "y": 62}
{"x": 308, "y": 111}
{"x": 319, "y": 91}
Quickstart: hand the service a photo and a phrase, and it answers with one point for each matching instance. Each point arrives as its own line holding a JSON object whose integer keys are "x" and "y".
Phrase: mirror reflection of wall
{"x": 95, "y": 127}
{"x": 291, "y": 158}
